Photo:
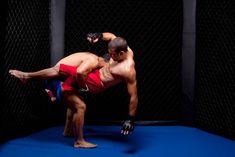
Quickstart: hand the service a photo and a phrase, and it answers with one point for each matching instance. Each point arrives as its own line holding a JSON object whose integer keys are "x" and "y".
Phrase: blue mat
{"x": 147, "y": 141}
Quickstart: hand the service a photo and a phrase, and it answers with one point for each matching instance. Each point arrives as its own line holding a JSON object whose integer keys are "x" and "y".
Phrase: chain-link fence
{"x": 215, "y": 66}
{"x": 153, "y": 29}
{"x": 25, "y": 46}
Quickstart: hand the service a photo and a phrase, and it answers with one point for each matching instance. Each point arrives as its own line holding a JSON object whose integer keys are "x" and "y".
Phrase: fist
{"x": 94, "y": 37}
{"x": 127, "y": 127}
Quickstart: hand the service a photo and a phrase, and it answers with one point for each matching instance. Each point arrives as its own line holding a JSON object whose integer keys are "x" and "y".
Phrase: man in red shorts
{"x": 121, "y": 67}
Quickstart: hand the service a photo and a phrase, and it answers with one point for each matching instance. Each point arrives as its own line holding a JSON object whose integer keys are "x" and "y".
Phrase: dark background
{"x": 26, "y": 46}
{"x": 215, "y": 66}
{"x": 154, "y": 31}
{"x": 156, "y": 43}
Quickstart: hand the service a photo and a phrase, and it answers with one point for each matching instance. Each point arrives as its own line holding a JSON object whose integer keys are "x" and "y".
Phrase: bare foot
{"x": 84, "y": 144}
{"x": 20, "y": 75}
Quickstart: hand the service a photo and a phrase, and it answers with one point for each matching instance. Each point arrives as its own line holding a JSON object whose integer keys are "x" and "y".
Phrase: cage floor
{"x": 146, "y": 141}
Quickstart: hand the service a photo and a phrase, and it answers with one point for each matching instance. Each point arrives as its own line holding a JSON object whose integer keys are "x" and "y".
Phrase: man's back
{"x": 76, "y": 59}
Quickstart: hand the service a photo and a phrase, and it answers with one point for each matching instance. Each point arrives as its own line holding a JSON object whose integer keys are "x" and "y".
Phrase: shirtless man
{"x": 120, "y": 68}
{"x": 84, "y": 61}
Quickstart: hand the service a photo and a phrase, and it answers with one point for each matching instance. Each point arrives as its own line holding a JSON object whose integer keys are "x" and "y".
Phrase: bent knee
{"x": 81, "y": 106}
{"x": 78, "y": 107}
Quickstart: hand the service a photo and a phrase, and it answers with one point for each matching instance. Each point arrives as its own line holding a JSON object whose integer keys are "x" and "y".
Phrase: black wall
{"x": 215, "y": 66}
{"x": 153, "y": 29}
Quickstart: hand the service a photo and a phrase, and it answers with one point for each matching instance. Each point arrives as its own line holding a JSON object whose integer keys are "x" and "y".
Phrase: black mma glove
{"x": 94, "y": 36}
{"x": 128, "y": 125}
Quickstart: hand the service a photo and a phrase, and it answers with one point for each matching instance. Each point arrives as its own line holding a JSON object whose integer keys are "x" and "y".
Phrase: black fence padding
{"x": 153, "y": 30}
{"x": 25, "y": 107}
{"x": 215, "y": 66}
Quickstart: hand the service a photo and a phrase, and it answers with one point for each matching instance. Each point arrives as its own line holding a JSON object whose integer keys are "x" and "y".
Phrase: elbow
{"x": 81, "y": 72}
{"x": 109, "y": 36}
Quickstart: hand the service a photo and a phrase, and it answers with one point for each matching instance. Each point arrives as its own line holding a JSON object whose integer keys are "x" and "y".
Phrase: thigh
{"x": 73, "y": 99}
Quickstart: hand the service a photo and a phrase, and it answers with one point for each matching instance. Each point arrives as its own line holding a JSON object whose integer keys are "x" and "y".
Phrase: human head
{"x": 117, "y": 48}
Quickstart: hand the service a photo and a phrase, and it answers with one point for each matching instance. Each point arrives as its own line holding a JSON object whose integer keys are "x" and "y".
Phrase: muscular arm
{"x": 84, "y": 68}
{"x": 107, "y": 36}
{"x": 82, "y": 71}
{"x": 128, "y": 125}
{"x": 132, "y": 90}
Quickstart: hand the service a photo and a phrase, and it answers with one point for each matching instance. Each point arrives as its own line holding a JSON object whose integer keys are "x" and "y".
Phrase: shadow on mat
{"x": 133, "y": 143}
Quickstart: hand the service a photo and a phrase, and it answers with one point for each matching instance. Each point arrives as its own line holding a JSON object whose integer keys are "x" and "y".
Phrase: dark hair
{"x": 118, "y": 44}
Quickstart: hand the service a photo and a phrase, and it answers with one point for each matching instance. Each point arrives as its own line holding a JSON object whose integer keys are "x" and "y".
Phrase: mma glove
{"x": 128, "y": 125}
{"x": 94, "y": 36}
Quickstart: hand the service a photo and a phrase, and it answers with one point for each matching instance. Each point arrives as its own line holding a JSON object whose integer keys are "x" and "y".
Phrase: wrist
{"x": 101, "y": 36}
{"x": 131, "y": 117}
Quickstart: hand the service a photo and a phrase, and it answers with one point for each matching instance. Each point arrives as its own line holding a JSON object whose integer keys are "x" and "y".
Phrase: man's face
{"x": 114, "y": 55}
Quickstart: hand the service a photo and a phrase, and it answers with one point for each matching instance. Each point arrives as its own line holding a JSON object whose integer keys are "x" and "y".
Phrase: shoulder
{"x": 130, "y": 72}
{"x": 130, "y": 51}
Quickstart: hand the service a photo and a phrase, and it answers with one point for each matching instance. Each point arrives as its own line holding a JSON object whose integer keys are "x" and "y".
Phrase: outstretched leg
{"x": 78, "y": 107}
{"x": 41, "y": 74}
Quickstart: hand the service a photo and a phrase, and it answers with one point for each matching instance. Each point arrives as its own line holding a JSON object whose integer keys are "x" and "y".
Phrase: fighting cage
{"x": 25, "y": 46}
{"x": 215, "y": 66}
{"x": 153, "y": 30}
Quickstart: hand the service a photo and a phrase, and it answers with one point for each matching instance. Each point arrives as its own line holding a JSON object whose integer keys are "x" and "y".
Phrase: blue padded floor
{"x": 147, "y": 141}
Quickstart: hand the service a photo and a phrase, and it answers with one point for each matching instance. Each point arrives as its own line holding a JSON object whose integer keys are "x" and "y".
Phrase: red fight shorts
{"x": 92, "y": 81}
